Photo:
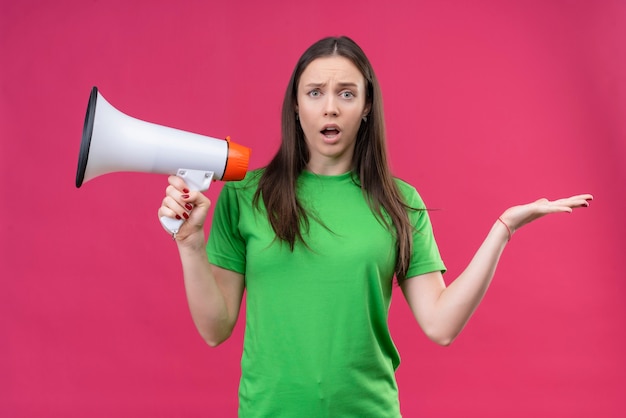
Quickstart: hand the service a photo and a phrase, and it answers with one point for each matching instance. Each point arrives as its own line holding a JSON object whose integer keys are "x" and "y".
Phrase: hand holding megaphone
{"x": 196, "y": 180}
{"x": 182, "y": 204}
{"x": 113, "y": 141}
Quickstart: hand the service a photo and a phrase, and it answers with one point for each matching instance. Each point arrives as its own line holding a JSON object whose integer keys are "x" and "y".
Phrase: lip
{"x": 330, "y": 126}
{"x": 333, "y": 139}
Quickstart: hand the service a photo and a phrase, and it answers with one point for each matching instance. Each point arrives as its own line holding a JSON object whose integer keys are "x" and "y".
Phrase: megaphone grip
{"x": 197, "y": 180}
{"x": 171, "y": 225}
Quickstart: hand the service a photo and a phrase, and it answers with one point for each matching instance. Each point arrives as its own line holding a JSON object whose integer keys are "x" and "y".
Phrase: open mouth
{"x": 330, "y": 132}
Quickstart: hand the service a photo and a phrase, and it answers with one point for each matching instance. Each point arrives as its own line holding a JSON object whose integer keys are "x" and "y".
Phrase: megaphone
{"x": 115, "y": 142}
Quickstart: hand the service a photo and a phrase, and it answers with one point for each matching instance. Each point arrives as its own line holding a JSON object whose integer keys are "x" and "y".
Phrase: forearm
{"x": 458, "y": 301}
{"x": 442, "y": 311}
{"x": 206, "y": 300}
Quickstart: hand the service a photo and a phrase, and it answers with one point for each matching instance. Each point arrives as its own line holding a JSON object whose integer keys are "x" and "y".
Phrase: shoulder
{"x": 238, "y": 196}
{"x": 240, "y": 192}
{"x": 410, "y": 194}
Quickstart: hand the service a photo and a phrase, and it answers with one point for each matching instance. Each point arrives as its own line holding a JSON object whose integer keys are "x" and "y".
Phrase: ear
{"x": 366, "y": 110}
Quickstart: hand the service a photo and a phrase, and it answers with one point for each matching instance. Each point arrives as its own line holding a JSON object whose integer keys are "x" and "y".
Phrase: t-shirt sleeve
{"x": 425, "y": 257}
{"x": 226, "y": 248}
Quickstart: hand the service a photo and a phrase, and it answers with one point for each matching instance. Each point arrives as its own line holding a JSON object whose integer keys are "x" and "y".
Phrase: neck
{"x": 329, "y": 167}
{"x": 328, "y": 170}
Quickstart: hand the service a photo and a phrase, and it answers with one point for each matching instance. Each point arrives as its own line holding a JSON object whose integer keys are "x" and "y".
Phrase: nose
{"x": 331, "y": 108}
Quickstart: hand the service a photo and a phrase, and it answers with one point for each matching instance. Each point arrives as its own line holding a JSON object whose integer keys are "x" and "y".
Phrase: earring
{"x": 297, "y": 116}
{"x": 364, "y": 119}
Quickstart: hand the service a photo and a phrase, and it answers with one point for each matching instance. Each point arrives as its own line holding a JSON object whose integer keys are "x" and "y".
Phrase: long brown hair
{"x": 277, "y": 185}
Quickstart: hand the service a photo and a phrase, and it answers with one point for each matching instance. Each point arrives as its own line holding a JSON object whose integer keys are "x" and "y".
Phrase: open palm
{"x": 518, "y": 216}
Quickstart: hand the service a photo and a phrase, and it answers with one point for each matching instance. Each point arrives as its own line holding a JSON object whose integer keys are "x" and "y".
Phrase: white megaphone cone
{"x": 113, "y": 141}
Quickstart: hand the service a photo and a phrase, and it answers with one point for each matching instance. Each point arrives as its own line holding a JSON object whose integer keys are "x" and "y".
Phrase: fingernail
{"x": 189, "y": 206}
{"x": 185, "y": 196}
{"x": 185, "y": 216}
{"x": 178, "y": 217}
{"x": 185, "y": 190}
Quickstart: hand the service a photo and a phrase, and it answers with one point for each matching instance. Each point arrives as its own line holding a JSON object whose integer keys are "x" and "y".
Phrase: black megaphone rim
{"x": 85, "y": 143}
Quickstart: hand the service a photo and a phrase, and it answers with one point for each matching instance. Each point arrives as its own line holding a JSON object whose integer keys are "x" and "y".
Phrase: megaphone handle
{"x": 197, "y": 180}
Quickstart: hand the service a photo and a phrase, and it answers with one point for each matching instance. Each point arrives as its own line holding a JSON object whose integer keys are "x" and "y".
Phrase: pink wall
{"x": 489, "y": 104}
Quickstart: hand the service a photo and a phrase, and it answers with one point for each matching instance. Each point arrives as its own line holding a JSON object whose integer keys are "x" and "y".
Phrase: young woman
{"x": 315, "y": 239}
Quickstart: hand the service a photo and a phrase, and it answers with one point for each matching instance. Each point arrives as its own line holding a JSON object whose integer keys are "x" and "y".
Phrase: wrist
{"x": 193, "y": 242}
{"x": 509, "y": 230}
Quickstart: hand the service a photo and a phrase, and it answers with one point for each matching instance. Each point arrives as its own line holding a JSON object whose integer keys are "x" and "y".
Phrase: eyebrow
{"x": 341, "y": 84}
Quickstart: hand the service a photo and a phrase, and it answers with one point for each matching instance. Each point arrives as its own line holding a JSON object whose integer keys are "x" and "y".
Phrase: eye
{"x": 346, "y": 94}
{"x": 315, "y": 93}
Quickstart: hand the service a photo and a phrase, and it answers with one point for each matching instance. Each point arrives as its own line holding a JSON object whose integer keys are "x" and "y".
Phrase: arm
{"x": 442, "y": 311}
{"x": 214, "y": 294}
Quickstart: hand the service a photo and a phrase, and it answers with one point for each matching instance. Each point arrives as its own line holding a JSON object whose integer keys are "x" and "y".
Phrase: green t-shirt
{"x": 317, "y": 342}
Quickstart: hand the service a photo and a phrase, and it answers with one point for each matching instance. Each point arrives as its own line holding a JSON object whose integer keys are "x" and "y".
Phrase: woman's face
{"x": 331, "y": 105}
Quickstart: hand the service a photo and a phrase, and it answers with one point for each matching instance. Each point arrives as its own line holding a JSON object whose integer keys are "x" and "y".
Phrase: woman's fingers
{"x": 518, "y": 216}
{"x": 178, "y": 183}
{"x": 580, "y": 201}
{"x": 184, "y": 204}
{"x": 175, "y": 207}
{"x": 173, "y": 204}
{"x": 567, "y": 204}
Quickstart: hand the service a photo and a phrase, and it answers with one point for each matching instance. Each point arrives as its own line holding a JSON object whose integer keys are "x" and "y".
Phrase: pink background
{"x": 488, "y": 104}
